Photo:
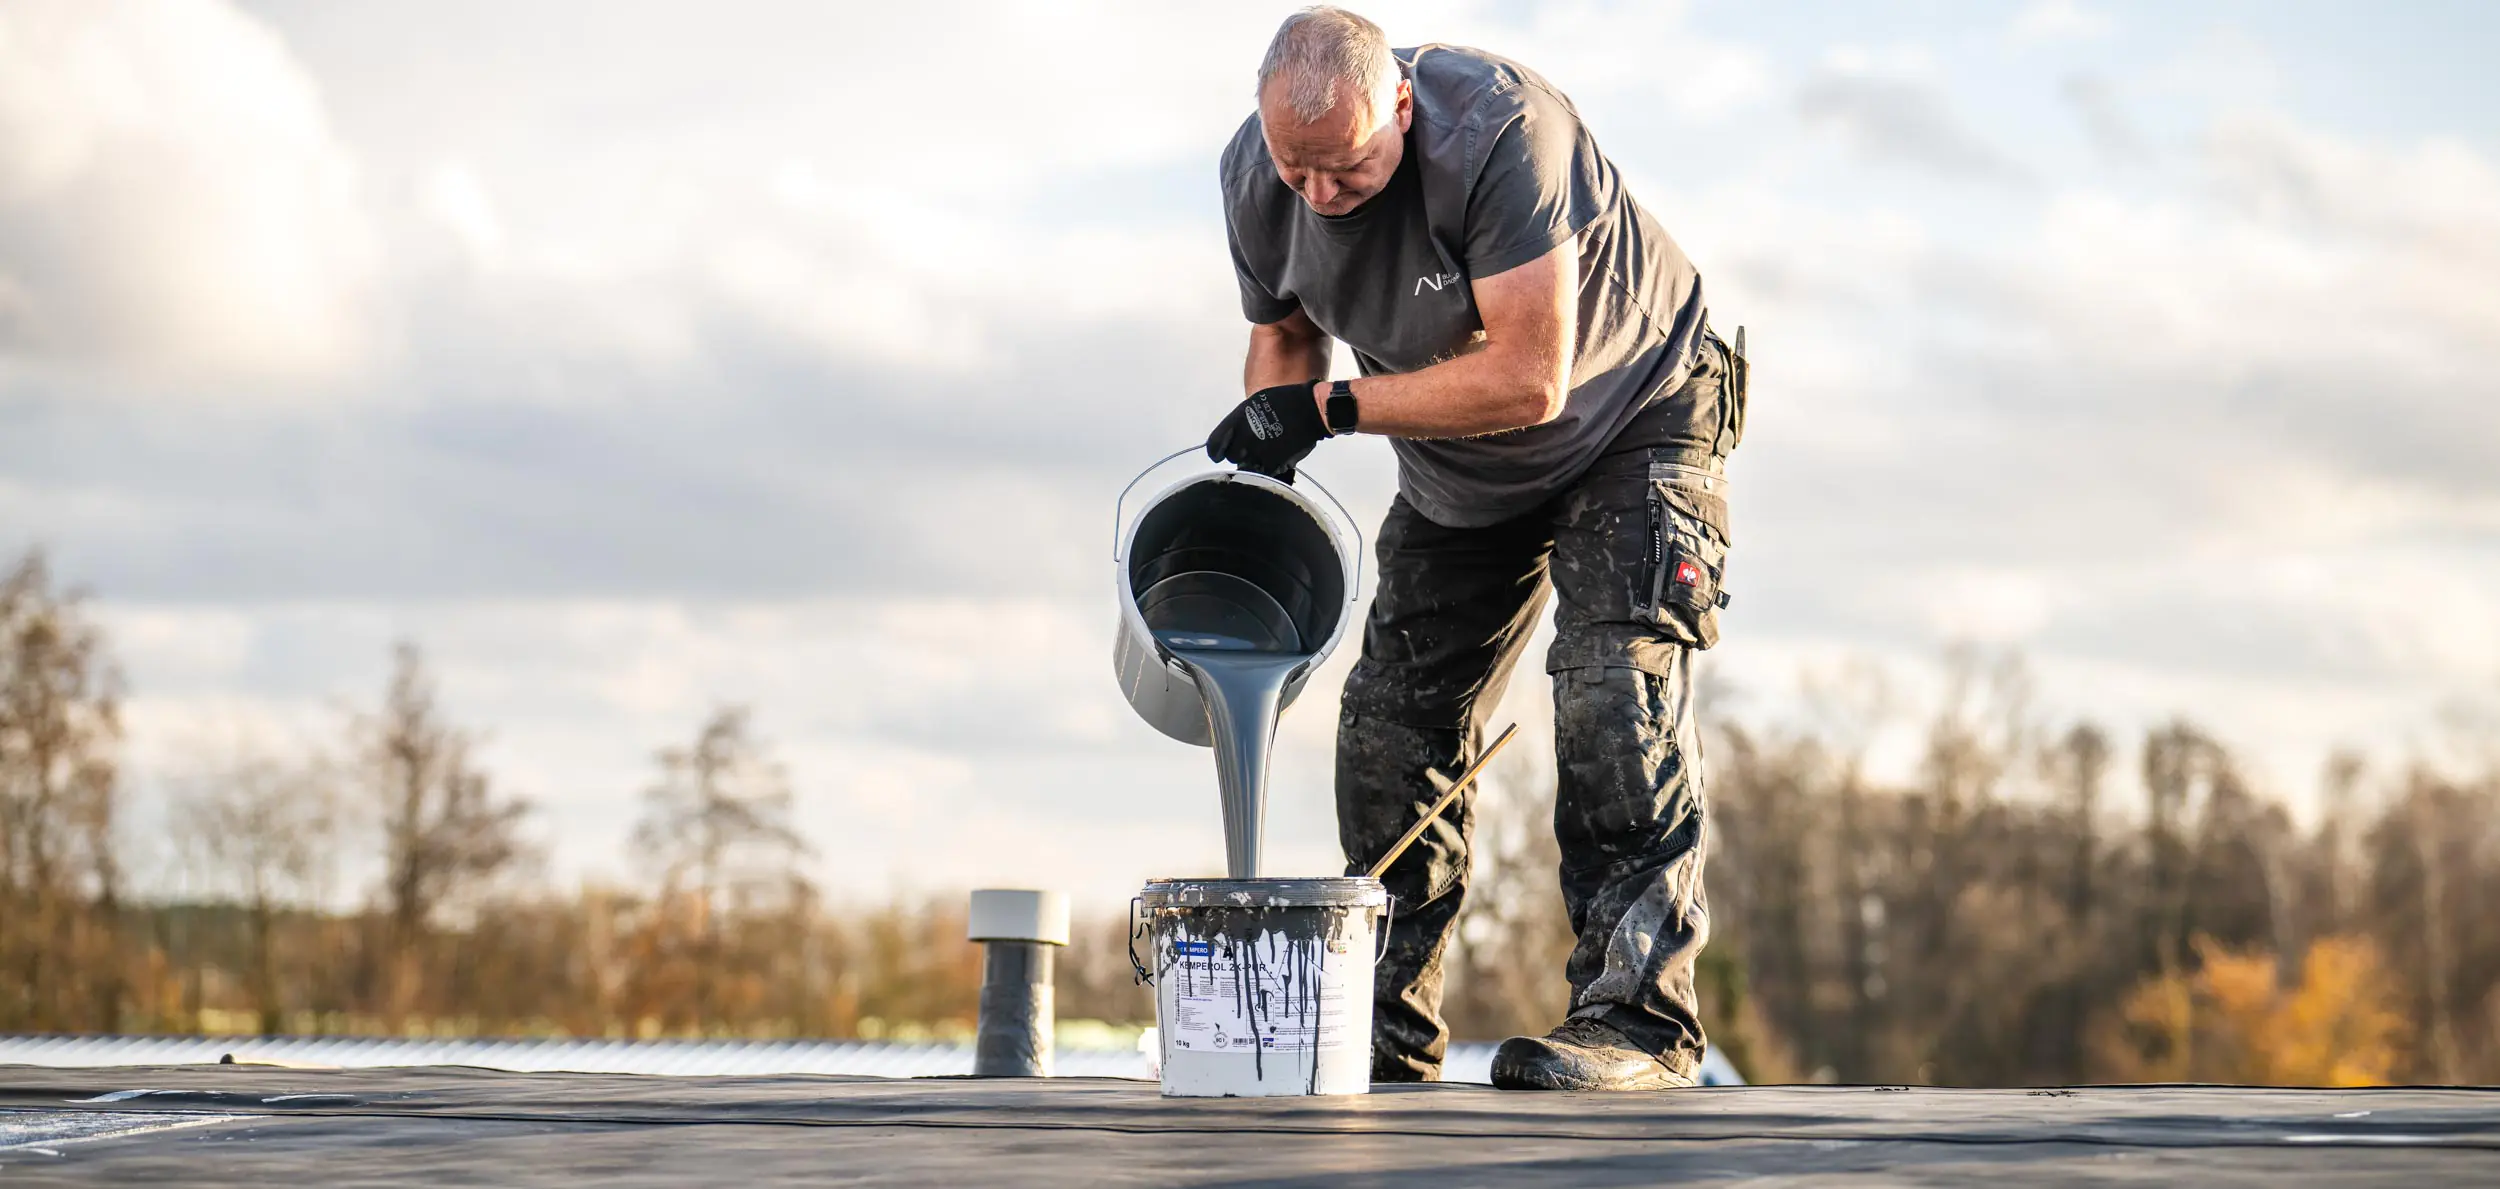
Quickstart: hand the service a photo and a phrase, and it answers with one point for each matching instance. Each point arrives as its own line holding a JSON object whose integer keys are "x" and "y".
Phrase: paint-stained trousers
{"x": 1634, "y": 552}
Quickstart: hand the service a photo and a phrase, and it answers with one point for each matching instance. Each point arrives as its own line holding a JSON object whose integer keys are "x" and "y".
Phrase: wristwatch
{"x": 1341, "y": 412}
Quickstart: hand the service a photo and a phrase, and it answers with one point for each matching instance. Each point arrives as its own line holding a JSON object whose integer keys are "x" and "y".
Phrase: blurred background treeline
{"x": 2023, "y": 909}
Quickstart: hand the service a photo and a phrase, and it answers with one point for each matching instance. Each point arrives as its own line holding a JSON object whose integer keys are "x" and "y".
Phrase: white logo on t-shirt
{"x": 1434, "y": 282}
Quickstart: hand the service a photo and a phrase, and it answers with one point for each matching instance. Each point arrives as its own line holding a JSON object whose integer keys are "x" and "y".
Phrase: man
{"x": 1535, "y": 346}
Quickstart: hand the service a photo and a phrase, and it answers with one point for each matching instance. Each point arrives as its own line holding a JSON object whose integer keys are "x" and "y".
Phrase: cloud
{"x": 758, "y": 467}
{"x": 2308, "y": 292}
{"x": 792, "y": 355}
{"x": 1712, "y": 78}
{"x": 172, "y": 201}
{"x": 453, "y": 194}
{"x": 1901, "y": 121}
{"x": 2113, "y": 134}
{"x": 2059, "y": 20}
{"x": 665, "y": 360}
{"x": 2225, "y": 420}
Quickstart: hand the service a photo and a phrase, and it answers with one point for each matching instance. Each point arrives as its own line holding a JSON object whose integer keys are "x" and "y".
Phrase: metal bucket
{"x": 1230, "y": 525}
{"x": 1263, "y": 987}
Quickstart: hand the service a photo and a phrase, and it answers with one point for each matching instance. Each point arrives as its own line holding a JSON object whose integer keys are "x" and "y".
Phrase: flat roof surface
{"x": 244, "y": 1124}
{"x": 1469, "y": 1061}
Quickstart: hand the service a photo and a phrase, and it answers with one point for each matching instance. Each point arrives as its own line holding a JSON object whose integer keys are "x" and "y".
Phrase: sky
{"x": 636, "y": 359}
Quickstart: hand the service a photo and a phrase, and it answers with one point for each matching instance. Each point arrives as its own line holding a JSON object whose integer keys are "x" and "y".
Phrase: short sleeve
{"x": 1530, "y": 196}
{"x": 1258, "y": 302}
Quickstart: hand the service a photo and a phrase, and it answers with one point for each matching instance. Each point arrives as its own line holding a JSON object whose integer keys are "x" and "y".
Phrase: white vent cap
{"x": 1019, "y": 914}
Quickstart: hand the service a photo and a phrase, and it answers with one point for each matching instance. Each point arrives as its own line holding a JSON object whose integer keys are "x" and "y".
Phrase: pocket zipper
{"x": 1657, "y": 552}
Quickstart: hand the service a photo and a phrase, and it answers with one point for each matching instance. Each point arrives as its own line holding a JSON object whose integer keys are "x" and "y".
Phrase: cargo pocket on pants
{"x": 1687, "y": 552}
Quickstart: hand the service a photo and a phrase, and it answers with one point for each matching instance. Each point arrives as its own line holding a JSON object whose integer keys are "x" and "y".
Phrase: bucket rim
{"x": 1327, "y": 891}
{"x": 1343, "y": 534}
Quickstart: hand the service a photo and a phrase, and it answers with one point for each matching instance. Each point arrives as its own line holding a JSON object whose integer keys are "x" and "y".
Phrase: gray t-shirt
{"x": 1498, "y": 171}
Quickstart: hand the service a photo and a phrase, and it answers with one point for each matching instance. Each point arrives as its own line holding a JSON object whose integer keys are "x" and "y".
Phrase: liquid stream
{"x": 1240, "y": 649}
{"x": 1244, "y": 692}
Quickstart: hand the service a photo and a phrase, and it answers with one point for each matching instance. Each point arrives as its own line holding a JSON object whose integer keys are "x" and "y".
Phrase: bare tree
{"x": 719, "y": 805}
{"x": 717, "y": 825}
{"x": 2339, "y": 790}
{"x": 2079, "y": 766}
{"x": 2426, "y": 814}
{"x": 2176, "y": 761}
{"x": 446, "y": 833}
{"x": 267, "y": 829}
{"x": 60, "y": 726}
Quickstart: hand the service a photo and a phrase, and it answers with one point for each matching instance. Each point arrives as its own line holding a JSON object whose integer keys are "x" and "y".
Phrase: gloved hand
{"x": 1270, "y": 431}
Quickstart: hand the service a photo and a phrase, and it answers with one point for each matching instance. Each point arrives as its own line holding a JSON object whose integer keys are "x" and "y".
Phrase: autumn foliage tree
{"x": 2235, "y": 1020}
{"x": 60, "y": 880}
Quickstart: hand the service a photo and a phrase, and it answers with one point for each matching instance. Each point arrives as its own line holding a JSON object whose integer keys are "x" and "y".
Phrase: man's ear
{"x": 1406, "y": 105}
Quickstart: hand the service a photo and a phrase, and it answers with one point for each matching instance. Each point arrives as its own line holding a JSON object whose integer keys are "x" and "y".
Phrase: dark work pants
{"x": 1452, "y": 614}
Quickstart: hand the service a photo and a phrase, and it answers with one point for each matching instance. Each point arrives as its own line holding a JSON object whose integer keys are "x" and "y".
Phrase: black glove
{"x": 1270, "y": 431}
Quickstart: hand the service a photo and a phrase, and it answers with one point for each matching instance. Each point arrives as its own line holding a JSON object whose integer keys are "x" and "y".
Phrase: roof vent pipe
{"x": 1018, "y": 929}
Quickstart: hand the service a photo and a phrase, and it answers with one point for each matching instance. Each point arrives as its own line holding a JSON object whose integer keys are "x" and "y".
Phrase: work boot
{"x": 1584, "y": 1053}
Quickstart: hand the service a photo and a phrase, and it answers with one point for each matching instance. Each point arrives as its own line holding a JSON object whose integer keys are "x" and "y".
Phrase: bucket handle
{"x": 1354, "y": 533}
{"x": 1388, "y": 917}
{"x": 1119, "y": 513}
{"x": 1136, "y": 926}
{"x": 1119, "y": 507}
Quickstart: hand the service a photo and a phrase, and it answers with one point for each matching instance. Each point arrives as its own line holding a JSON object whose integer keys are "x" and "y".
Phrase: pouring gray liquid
{"x": 1240, "y": 647}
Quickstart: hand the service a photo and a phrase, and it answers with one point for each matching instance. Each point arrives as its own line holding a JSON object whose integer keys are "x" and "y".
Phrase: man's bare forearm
{"x": 1485, "y": 392}
{"x": 1516, "y": 374}
{"x": 1482, "y": 392}
{"x": 1288, "y": 352}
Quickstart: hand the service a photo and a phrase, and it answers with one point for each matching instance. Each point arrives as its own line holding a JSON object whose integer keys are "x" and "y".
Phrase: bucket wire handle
{"x": 1119, "y": 507}
{"x": 1354, "y": 533}
{"x": 1388, "y": 917}
{"x": 1136, "y": 927}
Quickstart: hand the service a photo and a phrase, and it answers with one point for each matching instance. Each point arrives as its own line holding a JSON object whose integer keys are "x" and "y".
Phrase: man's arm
{"x": 1519, "y": 375}
{"x": 1290, "y": 350}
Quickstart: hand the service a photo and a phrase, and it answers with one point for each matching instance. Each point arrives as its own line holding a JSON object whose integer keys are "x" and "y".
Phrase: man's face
{"x": 1340, "y": 160}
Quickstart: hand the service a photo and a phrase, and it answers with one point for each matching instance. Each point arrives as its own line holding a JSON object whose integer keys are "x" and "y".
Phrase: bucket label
{"x": 1270, "y": 992}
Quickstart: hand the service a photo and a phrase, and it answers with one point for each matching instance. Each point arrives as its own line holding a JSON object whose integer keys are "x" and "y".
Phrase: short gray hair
{"x": 1320, "y": 47}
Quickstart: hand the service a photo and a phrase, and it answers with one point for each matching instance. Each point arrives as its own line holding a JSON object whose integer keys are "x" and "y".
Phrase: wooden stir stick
{"x": 1448, "y": 795}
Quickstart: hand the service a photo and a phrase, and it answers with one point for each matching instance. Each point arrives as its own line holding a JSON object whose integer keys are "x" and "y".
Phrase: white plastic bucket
{"x": 1263, "y": 987}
